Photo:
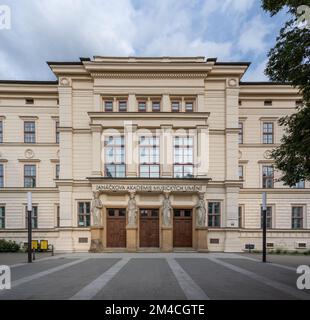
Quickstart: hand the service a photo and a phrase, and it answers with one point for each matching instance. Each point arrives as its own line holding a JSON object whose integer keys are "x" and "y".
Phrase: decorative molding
{"x": 29, "y": 154}
{"x": 267, "y": 154}
{"x": 54, "y": 160}
{"x": 232, "y": 82}
{"x": 29, "y": 117}
{"x": 29, "y": 160}
{"x": 149, "y": 75}
{"x": 64, "y": 82}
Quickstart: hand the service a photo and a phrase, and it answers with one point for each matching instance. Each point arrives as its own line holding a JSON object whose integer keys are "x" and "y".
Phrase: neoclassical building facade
{"x": 157, "y": 154}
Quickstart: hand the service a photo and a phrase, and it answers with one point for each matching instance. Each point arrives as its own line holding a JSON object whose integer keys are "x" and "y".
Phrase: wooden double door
{"x": 182, "y": 228}
{"x": 116, "y": 228}
{"x": 149, "y": 228}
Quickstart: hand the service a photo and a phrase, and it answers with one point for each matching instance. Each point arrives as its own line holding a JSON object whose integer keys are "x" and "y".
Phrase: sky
{"x": 64, "y": 30}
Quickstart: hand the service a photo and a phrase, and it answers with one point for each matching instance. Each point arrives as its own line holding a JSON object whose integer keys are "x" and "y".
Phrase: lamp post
{"x": 264, "y": 224}
{"x": 29, "y": 212}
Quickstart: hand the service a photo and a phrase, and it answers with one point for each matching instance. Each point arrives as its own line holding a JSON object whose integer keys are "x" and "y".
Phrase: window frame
{"x": 140, "y": 102}
{"x": 57, "y": 132}
{"x": 266, "y": 134}
{"x": 151, "y": 155}
{"x": 115, "y": 164}
{"x": 213, "y": 214}
{"x": 302, "y": 218}
{"x": 183, "y": 164}
{"x": 270, "y": 218}
{"x": 31, "y": 133}
{"x": 1, "y": 130}
{"x": 241, "y": 178}
{"x": 121, "y": 101}
{"x": 159, "y": 104}
{"x": 266, "y": 178}
{"x": 179, "y": 106}
{"x": 57, "y": 171}
{"x": 35, "y": 177}
{"x": 35, "y": 220}
{"x": 105, "y": 102}
{"x": 192, "y": 102}
{"x": 2, "y": 217}
{"x": 241, "y": 132}
{"x": 2, "y": 177}
{"x": 86, "y": 215}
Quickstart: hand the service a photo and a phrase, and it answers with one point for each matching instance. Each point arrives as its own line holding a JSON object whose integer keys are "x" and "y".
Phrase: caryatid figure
{"x": 96, "y": 205}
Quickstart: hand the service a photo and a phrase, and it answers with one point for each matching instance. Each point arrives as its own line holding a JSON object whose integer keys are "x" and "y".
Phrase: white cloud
{"x": 256, "y": 73}
{"x": 253, "y": 39}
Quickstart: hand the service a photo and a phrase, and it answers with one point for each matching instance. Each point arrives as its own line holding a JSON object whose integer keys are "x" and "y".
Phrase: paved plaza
{"x": 154, "y": 276}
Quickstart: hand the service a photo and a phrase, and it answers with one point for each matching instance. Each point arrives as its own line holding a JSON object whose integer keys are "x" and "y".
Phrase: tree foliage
{"x": 289, "y": 61}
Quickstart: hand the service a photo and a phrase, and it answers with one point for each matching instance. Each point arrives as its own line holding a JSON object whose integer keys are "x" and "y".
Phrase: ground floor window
{"x": 84, "y": 214}
{"x": 2, "y": 217}
{"x": 297, "y": 217}
{"x": 269, "y": 217}
{"x": 34, "y": 217}
{"x": 214, "y": 214}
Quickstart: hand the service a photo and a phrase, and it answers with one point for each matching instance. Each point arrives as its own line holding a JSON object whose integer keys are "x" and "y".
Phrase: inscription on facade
{"x": 149, "y": 188}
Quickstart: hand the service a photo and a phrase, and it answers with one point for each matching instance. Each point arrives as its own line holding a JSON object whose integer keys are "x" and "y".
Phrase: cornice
{"x": 149, "y": 75}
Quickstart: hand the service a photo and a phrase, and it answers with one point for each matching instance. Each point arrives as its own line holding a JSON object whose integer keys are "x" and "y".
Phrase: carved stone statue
{"x": 132, "y": 210}
{"x": 167, "y": 211}
{"x": 201, "y": 211}
{"x": 96, "y": 205}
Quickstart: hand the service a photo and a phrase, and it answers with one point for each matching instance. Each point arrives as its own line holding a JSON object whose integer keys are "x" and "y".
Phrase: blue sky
{"x": 64, "y": 30}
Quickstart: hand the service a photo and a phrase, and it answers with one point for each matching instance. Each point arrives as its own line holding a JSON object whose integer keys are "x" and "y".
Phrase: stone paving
{"x": 154, "y": 276}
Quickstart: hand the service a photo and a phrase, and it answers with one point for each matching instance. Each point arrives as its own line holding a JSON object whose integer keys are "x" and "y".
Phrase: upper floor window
{"x": 57, "y": 170}
{"x": 268, "y": 176}
{"x": 84, "y": 214}
{"x": 1, "y": 131}
{"x": 268, "y": 132}
{"x": 1, "y": 175}
{"x": 297, "y": 217}
{"x": 2, "y": 217}
{"x": 142, "y": 106}
{"x": 299, "y": 185}
{"x": 240, "y": 217}
{"x": 175, "y": 106}
{"x": 149, "y": 157}
{"x": 34, "y": 217}
{"x": 183, "y": 157}
{"x": 30, "y": 176}
{"x": 189, "y": 106}
{"x": 240, "y": 172}
{"x": 29, "y": 132}
{"x": 115, "y": 157}
{"x": 57, "y": 216}
{"x": 268, "y": 103}
{"x": 108, "y": 106}
{"x": 57, "y": 131}
{"x": 268, "y": 217}
{"x": 122, "y": 106}
{"x": 29, "y": 101}
{"x": 214, "y": 214}
{"x": 155, "y": 106}
{"x": 240, "y": 134}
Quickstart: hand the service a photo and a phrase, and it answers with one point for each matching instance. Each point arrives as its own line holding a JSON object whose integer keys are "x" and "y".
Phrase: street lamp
{"x": 264, "y": 195}
{"x": 29, "y": 212}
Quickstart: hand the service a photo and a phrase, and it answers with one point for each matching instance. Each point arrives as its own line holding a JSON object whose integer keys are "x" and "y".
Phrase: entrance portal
{"x": 116, "y": 228}
{"x": 149, "y": 228}
{"x": 182, "y": 228}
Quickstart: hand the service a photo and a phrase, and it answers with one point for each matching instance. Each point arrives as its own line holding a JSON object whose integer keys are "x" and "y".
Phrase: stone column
{"x": 132, "y": 149}
{"x": 166, "y": 151}
{"x": 132, "y": 103}
{"x": 202, "y": 151}
{"x": 166, "y": 103}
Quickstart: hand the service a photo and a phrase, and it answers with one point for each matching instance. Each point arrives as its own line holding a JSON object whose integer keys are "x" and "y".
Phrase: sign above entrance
{"x": 149, "y": 188}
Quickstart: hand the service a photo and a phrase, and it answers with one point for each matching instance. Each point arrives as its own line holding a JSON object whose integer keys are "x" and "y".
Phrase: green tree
{"x": 289, "y": 61}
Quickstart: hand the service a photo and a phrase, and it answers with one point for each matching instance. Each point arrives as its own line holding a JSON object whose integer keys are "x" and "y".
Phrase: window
{"x": 149, "y": 157}
{"x": 1, "y": 175}
{"x": 29, "y": 132}
{"x": 268, "y": 177}
{"x": 57, "y": 131}
{"x": 1, "y": 131}
{"x": 240, "y": 134}
{"x": 58, "y": 216}
{"x": 142, "y": 106}
{"x": 29, "y": 101}
{"x": 268, "y": 132}
{"x": 108, "y": 106}
{"x": 268, "y": 103}
{"x": 57, "y": 169}
{"x": 240, "y": 172}
{"x": 115, "y": 157}
{"x": 214, "y": 214}
{"x": 2, "y": 217}
{"x": 34, "y": 217}
{"x": 269, "y": 217}
{"x": 240, "y": 217}
{"x": 29, "y": 176}
{"x": 155, "y": 106}
{"x": 183, "y": 157}
{"x": 299, "y": 185}
{"x": 84, "y": 214}
{"x": 297, "y": 217}
{"x": 175, "y": 106}
{"x": 122, "y": 106}
{"x": 189, "y": 106}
